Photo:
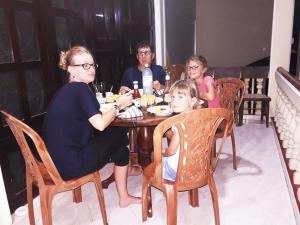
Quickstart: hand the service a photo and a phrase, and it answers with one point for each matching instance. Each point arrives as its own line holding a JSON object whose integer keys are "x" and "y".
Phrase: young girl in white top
{"x": 184, "y": 97}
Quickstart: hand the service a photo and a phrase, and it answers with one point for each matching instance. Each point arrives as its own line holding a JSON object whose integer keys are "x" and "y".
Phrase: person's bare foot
{"x": 129, "y": 200}
{"x": 134, "y": 170}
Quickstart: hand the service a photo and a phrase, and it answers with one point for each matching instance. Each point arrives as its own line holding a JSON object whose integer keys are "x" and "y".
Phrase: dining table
{"x": 144, "y": 126}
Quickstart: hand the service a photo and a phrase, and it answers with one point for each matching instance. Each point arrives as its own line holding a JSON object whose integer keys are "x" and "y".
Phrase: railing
{"x": 287, "y": 122}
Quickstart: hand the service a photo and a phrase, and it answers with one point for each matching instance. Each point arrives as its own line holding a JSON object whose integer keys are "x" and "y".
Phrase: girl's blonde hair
{"x": 187, "y": 85}
{"x": 66, "y": 57}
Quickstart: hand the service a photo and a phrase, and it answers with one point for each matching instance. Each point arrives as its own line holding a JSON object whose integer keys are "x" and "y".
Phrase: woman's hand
{"x": 124, "y": 100}
{"x": 124, "y": 90}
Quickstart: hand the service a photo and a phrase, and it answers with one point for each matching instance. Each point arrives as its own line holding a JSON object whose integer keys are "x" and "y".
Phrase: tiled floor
{"x": 255, "y": 194}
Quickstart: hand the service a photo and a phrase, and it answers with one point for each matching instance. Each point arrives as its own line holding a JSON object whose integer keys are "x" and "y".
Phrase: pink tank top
{"x": 215, "y": 103}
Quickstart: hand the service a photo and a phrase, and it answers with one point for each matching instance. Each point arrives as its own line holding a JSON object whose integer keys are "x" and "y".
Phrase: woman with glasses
{"x": 196, "y": 66}
{"x": 144, "y": 55}
{"x": 68, "y": 133}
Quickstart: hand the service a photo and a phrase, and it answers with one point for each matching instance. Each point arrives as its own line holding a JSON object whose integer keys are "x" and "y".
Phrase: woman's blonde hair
{"x": 187, "y": 85}
{"x": 66, "y": 57}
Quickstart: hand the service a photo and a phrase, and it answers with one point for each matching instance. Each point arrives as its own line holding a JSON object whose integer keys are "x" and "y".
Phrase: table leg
{"x": 145, "y": 145}
{"x": 108, "y": 181}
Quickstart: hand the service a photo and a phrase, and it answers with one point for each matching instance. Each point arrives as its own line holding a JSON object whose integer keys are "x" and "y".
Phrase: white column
{"x": 5, "y": 217}
{"x": 160, "y": 32}
{"x": 282, "y": 29}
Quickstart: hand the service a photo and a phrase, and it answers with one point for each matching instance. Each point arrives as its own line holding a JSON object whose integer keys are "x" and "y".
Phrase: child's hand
{"x": 157, "y": 85}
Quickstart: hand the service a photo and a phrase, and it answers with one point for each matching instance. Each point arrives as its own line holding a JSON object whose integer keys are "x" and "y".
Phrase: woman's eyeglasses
{"x": 87, "y": 66}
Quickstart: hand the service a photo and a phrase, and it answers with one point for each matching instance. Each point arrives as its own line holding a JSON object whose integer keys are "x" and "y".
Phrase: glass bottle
{"x": 136, "y": 93}
{"x": 167, "y": 97}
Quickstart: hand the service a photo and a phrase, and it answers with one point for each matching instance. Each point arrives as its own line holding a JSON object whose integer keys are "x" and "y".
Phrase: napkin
{"x": 159, "y": 92}
{"x": 131, "y": 112}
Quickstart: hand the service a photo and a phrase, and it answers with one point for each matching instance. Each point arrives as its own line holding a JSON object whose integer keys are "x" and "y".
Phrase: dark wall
{"x": 180, "y": 18}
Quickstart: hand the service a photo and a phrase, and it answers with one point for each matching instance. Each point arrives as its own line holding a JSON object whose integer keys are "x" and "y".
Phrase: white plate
{"x": 160, "y": 110}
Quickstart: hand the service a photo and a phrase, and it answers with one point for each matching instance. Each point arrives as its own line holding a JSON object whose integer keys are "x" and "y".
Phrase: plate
{"x": 160, "y": 110}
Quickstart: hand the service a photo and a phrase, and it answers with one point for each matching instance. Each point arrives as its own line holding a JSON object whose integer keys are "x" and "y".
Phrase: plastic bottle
{"x": 147, "y": 80}
{"x": 136, "y": 93}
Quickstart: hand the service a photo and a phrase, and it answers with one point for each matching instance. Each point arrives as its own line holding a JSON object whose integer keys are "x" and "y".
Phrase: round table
{"x": 146, "y": 125}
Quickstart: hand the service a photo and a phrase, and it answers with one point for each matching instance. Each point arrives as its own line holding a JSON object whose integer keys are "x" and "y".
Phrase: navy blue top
{"x": 133, "y": 73}
{"x": 67, "y": 131}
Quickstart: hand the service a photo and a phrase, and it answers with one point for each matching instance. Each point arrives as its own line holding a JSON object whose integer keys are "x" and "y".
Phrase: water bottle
{"x": 147, "y": 80}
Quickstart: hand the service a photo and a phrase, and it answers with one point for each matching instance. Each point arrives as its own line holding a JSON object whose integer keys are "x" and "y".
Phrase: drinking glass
{"x": 100, "y": 87}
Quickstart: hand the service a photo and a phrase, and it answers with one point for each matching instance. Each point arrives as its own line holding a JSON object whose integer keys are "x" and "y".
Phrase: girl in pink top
{"x": 196, "y": 66}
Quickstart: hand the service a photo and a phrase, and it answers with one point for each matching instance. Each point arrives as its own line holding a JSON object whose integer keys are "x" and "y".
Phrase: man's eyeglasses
{"x": 192, "y": 68}
{"x": 87, "y": 66}
{"x": 145, "y": 53}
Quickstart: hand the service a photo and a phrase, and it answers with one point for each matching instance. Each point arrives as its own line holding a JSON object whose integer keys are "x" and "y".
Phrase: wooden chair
{"x": 44, "y": 174}
{"x": 197, "y": 130}
{"x": 256, "y": 92}
{"x": 176, "y": 71}
{"x": 232, "y": 91}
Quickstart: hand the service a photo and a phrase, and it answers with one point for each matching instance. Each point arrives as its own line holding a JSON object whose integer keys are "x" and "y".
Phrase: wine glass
{"x": 99, "y": 90}
{"x": 100, "y": 87}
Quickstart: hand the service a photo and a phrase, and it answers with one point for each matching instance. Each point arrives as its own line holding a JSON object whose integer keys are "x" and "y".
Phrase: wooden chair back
{"x": 232, "y": 91}
{"x": 256, "y": 79}
{"x": 40, "y": 169}
{"x": 176, "y": 71}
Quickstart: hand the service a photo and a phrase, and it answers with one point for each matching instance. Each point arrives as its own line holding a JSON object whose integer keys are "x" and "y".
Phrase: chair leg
{"x": 29, "y": 199}
{"x": 233, "y": 151}
{"x": 99, "y": 190}
{"x": 241, "y": 114}
{"x": 214, "y": 195}
{"x": 262, "y": 113}
{"x": 77, "y": 196}
{"x": 193, "y": 197}
{"x": 46, "y": 202}
{"x": 171, "y": 198}
{"x": 267, "y": 113}
{"x": 146, "y": 200}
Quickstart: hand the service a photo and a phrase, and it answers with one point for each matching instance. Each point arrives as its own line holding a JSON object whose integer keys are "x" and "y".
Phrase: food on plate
{"x": 112, "y": 98}
{"x": 159, "y": 110}
{"x": 147, "y": 100}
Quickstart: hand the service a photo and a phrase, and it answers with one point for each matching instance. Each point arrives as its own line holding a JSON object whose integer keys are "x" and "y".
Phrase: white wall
{"x": 234, "y": 32}
{"x": 281, "y": 42}
{"x": 5, "y": 218}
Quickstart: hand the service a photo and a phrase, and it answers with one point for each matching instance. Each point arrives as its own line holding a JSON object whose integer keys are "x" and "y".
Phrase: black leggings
{"x": 110, "y": 146}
